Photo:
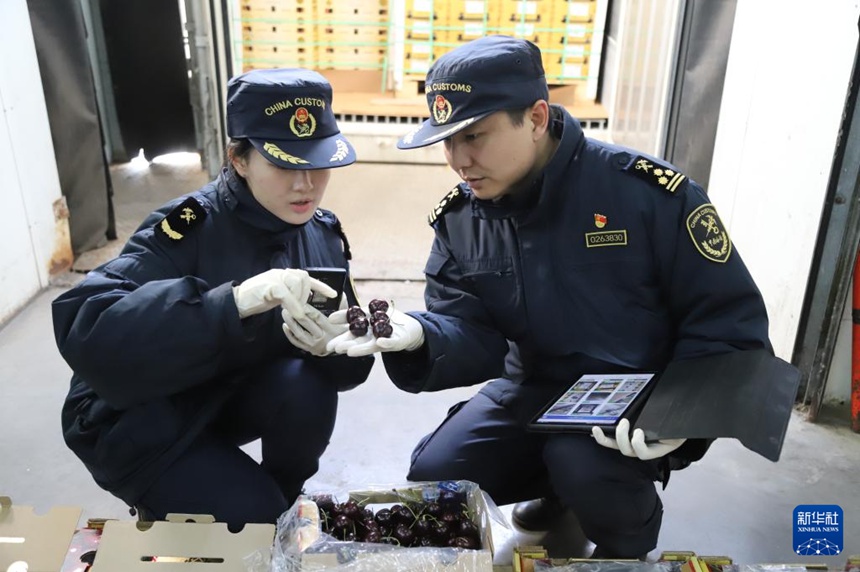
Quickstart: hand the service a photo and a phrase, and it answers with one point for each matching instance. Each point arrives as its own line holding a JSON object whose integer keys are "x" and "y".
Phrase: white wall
{"x": 786, "y": 82}
{"x": 30, "y": 239}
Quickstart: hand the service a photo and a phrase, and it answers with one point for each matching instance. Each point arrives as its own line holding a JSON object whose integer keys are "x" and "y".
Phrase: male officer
{"x": 556, "y": 256}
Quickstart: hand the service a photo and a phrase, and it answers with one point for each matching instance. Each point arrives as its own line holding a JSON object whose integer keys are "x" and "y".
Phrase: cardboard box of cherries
{"x": 419, "y": 526}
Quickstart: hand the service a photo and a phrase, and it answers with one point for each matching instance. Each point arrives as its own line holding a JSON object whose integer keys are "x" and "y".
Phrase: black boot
{"x": 143, "y": 515}
{"x": 538, "y": 514}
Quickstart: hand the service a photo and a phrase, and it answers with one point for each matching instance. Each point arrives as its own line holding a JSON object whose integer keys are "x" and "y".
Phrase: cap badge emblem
{"x": 599, "y": 220}
{"x": 302, "y": 123}
{"x": 441, "y": 109}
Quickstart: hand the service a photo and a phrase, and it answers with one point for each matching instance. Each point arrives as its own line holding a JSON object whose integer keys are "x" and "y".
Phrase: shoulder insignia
{"x": 708, "y": 233}
{"x": 655, "y": 173}
{"x": 449, "y": 200}
{"x": 182, "y": 218}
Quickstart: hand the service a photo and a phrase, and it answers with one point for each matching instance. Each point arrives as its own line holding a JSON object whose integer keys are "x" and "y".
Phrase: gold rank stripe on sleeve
{"x": 655, "y": 173}
{"x": 447, "y": 202}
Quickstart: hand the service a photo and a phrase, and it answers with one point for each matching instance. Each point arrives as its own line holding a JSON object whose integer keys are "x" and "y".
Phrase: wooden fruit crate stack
{"x": 352, "y": 34}
{"x": 563, "y": 29}
{"x": 277, "y": 33}
{"x": 317, "y": 34}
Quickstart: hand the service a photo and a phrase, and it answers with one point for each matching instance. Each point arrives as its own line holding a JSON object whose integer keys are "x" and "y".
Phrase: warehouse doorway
{"x": 146, "y": 56}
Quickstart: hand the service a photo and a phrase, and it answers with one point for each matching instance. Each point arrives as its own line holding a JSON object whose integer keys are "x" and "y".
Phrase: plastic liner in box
{"x": 301, "y": 545}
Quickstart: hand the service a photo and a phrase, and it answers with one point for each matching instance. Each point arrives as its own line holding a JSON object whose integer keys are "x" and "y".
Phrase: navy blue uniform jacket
{"x": 154, "y": 337}
{"x": 613, "y": 262}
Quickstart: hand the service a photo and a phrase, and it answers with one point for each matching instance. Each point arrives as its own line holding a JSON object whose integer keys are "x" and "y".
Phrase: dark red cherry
{"x": 383, "y": 518}
{"x": 377, "y": 305}
{"x": 382, "y": 329}
{"x": 469, "y": 529}
{"x": 423, "y": 527}
{"x": 324, "y": 502}
{"x": 433, "y": 509}
{"x": 354, "y": 312}
{"x": 441, "y": 532}
{"x": 358, "y": 327}
{"x": 404, "y": 534}
{"x": 379, "y": 317}
{"x": 351, "y": 509}
{"x": 373, "y": 536}
{"x": 402, "y": 515}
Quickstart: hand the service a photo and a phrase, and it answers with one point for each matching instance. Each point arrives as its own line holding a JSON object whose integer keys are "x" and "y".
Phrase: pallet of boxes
{"x": 315, "y": 34}
{"x": 563, "y": 29}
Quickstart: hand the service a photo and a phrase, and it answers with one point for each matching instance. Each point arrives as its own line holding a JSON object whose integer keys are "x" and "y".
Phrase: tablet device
{"x": 600, "y": 400}
{"x": 334, "y": 277}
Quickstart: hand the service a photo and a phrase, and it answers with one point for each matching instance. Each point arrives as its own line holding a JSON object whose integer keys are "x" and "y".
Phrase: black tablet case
{"x": 748, "y": 395}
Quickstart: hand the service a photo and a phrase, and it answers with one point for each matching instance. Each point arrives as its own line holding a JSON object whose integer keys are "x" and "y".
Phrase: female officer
{"x": 198, "y": 338}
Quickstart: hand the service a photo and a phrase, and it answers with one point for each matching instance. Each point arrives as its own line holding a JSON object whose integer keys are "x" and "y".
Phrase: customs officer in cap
{"x": 557, "y": 256}
{"x": 199, "y": 338}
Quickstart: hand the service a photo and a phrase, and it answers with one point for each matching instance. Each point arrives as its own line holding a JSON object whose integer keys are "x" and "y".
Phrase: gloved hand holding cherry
{"x": 380, "y": 323}
{"x": 379, "y": 328}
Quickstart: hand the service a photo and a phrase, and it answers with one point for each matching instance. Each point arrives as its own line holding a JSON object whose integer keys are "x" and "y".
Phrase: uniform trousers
{"x": 484, "y": 440}
{"x": 291, "y": 408}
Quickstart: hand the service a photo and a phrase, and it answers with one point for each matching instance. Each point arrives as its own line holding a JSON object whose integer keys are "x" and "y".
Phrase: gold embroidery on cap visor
{"x": 708, "y": 233}
{"x": 606, "y": 238}
{"x": 442, "y": 109}
{"x": 277, "y": 153}
{"x": 303, "y": 123}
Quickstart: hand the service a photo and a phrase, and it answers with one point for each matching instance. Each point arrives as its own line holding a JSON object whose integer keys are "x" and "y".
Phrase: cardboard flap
{"x": 179, "y": 546}
{"x": 41, "y": 541}
{"x": 748, "y": 395}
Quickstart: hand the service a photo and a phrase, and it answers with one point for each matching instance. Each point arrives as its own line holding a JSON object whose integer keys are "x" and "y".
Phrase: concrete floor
{"x": 732, "y": 503}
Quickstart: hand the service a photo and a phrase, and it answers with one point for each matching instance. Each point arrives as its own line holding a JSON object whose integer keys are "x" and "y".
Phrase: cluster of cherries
{"x": 379, "y": 323}
{"x": 441, "y": 523}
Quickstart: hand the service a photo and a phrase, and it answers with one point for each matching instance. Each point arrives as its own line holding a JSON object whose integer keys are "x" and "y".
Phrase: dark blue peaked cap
{"x": 287, "y": 116}
{"x": 481, "y": 77}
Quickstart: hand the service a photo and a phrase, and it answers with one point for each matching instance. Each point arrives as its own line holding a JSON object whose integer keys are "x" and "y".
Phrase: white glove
{"x": 313, "y": 332}
{"x": 406, "y": 335}
{"x": 278, "y": 287}
{"x": 635, "y": 447}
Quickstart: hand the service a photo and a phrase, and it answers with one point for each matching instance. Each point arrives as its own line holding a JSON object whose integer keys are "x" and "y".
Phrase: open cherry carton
{"x": 421, "y": 527}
